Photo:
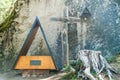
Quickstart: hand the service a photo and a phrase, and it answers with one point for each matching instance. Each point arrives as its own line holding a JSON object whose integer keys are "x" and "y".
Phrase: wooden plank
{"x": 24, "y": 62}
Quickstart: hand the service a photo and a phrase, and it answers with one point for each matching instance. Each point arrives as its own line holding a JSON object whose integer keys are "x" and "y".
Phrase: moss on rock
{"x": 7, "y": 22}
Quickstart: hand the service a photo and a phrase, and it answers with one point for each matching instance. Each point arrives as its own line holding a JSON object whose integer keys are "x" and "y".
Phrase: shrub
{"x": 111, "y": 59}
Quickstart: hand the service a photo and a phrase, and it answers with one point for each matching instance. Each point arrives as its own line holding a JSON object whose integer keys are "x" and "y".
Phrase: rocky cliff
{"x": 101, "y": 33}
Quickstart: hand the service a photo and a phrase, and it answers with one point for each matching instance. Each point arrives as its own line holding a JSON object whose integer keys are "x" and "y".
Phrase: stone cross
{"x": 65, "y": 45}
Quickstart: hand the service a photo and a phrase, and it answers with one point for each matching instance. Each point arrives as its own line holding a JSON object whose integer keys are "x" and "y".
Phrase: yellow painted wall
{"x": 24, "y": 62}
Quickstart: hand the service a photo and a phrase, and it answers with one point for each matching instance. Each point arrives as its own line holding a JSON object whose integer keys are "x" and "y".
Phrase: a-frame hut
{"x": 24, "y": 62}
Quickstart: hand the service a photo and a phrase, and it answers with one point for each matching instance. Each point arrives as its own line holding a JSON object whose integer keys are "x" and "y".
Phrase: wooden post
{"x": 84, "y": 33}
{"x": 67, "y": 44}
{"x": 79, "y": 32}
{"x": 64, "y": 46}
{"x": 67, "y": 54}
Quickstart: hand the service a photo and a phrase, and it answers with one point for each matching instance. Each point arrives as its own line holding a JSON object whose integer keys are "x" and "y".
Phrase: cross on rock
{"x": 65, "y": 45}
{"x": 66, "y": 19}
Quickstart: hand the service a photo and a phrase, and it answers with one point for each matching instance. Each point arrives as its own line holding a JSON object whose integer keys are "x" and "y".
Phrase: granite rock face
{"x": 103, "y": 26}
{"x": 102, "y": 30}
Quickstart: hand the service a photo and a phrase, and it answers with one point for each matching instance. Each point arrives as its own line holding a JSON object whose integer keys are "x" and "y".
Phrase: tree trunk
{"x": 95, "y": 60}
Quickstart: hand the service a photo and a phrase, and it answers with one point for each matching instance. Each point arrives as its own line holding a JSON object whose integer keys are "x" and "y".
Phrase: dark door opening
{"x": 72, "y": 40}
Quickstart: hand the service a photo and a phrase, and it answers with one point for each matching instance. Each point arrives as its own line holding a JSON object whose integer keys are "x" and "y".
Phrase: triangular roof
{"x": 29, "y": 41}
{"x": 86, "y": 13}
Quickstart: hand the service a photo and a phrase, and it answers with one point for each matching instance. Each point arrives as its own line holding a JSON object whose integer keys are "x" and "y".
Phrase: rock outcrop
{"x": 102, "y": 32}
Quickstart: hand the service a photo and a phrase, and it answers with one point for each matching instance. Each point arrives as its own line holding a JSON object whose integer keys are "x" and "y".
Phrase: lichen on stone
{"x": 9, "y": 14}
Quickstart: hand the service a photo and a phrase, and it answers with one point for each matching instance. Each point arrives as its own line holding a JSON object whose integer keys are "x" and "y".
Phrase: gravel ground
{"x": 12, "y": 75}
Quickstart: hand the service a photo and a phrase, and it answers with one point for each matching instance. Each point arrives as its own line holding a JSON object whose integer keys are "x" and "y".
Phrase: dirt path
{"x": 55, "y": 77}
{"x": 13, "y": 76}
